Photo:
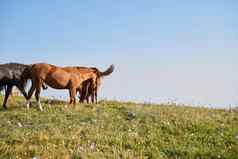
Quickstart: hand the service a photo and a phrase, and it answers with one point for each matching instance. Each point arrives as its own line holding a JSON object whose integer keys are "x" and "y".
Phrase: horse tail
{"x": 106, "y": 72}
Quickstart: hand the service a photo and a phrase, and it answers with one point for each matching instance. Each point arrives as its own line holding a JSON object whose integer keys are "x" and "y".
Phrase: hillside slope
{"x": 116, "y": 130}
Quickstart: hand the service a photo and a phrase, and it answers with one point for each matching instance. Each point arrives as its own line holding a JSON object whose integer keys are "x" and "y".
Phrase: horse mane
{"x": 14, "y": 65}
{"x": 81, "y": 67}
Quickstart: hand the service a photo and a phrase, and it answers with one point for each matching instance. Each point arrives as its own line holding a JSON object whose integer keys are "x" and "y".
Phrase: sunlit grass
{"x": 116, "y": 130}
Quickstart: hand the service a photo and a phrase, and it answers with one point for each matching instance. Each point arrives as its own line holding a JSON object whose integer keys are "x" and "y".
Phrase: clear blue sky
{"x": 185, "y": 51}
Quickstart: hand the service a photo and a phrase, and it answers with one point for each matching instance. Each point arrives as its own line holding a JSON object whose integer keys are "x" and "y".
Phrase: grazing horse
{"x": 11, "y": 75}
{"x": 59, "y": 78}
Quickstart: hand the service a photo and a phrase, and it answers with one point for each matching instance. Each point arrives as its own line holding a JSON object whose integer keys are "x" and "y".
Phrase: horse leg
{"x": 89, "y": 92}
{"x": 94, "y": 90}
{"x": 85, "y": 93}
{"x": 92, "y": 97}
{"x": 7, "y": 93}
{"x": 87, "y": 99}
{"x": 22, "y": 90}
{"x": 96, "y": 95}
{"x": 81, "y": 98}
{"x": 30, "y": 93}
{"x": 37, "y": 94}
{"x": 70, "y": 99}
{"x": 81, "y": 90}
{"x": 72, "y": 93}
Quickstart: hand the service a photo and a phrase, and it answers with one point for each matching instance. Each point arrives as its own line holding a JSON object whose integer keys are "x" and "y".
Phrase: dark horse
{"x": 11, "y": 75}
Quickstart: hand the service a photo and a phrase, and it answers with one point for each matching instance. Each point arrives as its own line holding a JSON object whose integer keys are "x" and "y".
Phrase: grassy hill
{"x": 116, "y": 130}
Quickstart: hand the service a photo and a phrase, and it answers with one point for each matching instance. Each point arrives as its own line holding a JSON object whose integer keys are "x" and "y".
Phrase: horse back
{"x": 11, "y": 72}
{"x": 54, "y": 76}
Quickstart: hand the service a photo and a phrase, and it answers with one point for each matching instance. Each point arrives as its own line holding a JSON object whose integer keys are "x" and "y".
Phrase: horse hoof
{"x": 4, "y": 108}
{"x": 41, "y": 109}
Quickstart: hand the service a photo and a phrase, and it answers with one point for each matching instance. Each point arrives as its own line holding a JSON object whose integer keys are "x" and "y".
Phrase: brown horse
{"x": 90, "y": 88}
{"x": 84, "y": 90}
{"x": 56, "y": 77}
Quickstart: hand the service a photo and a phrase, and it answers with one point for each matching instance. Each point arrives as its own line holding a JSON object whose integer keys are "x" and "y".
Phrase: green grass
{"x": 116, "y": 130}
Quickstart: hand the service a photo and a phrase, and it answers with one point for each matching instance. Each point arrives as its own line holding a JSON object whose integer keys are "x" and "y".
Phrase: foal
{"x": 90, "y": 89}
